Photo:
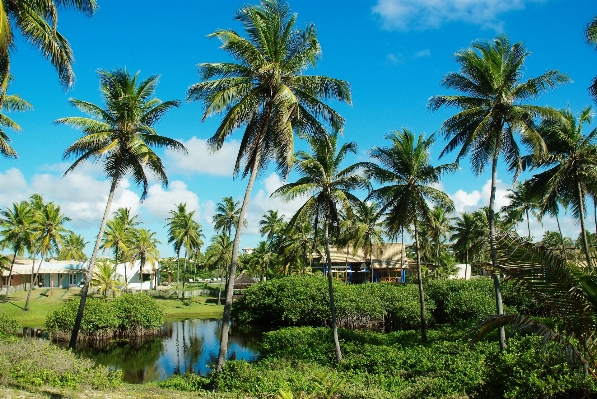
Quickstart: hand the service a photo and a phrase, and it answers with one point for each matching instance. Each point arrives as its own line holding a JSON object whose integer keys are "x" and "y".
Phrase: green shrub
{"x": 459, "y": 301}
{"x": 9, "y": 326}
{"x": 128, "y": 314}
{"x": 39, "y": 363}
{"x": 185, "y": 382}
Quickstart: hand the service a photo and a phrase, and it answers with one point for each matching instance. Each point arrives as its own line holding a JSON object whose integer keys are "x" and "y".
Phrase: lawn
{"x": 41, "y": 304}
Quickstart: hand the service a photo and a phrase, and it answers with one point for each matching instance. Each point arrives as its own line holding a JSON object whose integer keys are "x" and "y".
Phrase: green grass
{"x": 42, "y": 305}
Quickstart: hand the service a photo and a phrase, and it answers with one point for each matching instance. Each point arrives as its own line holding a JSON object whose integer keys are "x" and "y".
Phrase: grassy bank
{"x": 43, "y": 302}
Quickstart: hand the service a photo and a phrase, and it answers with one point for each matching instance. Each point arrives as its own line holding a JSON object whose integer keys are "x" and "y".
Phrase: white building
{"x": 150, "y": 275}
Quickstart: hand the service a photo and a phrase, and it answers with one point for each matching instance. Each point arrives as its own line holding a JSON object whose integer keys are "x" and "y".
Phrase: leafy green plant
{"x": 9, "y": 326}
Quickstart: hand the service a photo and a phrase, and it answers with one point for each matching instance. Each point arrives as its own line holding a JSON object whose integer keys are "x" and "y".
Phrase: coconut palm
{"x": 73, "y": 248}
{"x": 15, "y": 226}
{"x": 328, "y": 190}
{"x": 184, "y": 232}
{"x": 144, "y": 250}
{"x": 119, "y": 234}
{"x": 227, "y": 215}
{"x": 466, "y": 237}
{"x": 591, "y": 36}
{"x": 368, "y": 229}
{"x": 523, "y": 201}
{"x": 219, "y": 254}
{"x": 572, "y": 166}
{"x": 105, "y": 277}
{"x": 406, "y": 176}
{"x": 492, "y": 112}
{"x": 38, "y": 22}
{"x": 121, "y": 136}
{"x": 48, "y": 235}
{"x": 266, "y": 91}
{"x": 271, "y": 224}
{"x": 10, "y": 103}
{"x": 438, "y": 229}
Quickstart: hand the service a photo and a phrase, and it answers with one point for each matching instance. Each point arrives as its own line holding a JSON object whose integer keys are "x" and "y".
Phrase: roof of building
{"x": 388, "y": 255}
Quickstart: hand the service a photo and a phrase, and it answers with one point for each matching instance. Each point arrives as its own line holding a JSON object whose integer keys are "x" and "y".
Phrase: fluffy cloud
{"x": 161, "y": 201}
{"x": 14, "y": 187}
{"x": 201, "y": 160}
{"x": 423, "y": 14}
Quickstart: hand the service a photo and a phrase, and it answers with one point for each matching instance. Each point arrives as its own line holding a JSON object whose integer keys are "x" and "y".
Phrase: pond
{"x": 185, "y": 346}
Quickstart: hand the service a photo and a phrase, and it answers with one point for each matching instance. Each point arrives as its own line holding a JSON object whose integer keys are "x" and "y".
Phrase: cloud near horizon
{"x": 432, "y": 14}
{"x": 201, "y": 160}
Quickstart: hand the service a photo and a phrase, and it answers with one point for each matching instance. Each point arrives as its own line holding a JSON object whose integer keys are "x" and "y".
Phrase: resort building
{"x": 53, "y": 273}
{"x": 149, "y": 278}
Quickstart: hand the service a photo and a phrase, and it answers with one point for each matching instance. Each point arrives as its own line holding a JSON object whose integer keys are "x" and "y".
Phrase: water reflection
{"x": 185, "y": 346}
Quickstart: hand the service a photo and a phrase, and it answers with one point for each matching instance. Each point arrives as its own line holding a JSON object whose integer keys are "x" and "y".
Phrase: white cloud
{"x": 394, "y": 59}
{"x": 160, "y": 201}
{"x": 200, "y": 158}
{"x": 422, "y": 53}
{"x": 14, "y": 187}
{"x": 423, "y": 14}
{"x": 464, "y": 201}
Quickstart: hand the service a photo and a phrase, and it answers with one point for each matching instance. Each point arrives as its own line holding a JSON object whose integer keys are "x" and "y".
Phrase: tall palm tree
{"x": 265, "y": 90}
{"x": 105, "y": 277}
{"x": 368, "y": 229}
{"x": 271, "y": 224}
{"x": 227, "y": 215}
{"x": 523, "y": 201}
{"x": 328, "y": 190}
{"x": 38, "y": 23}
{"x": 15, "y": 226}
{"x": 406, "y": 176}
{"x": 219, "y": 254}
{"x": 73, "y": 248}
{"x": 121, "y": 136}
{"x": 119, "y": 235}
{"x": 466, "y": 237}
{"x": 439, "y": 228}
{"x": 144, "y": 250}
{"x": 492, "y": 112}
{"x": 48, "y": 234}
{"x": 10, "y": 103}
{"x": 591, "y": 36}
{"x": 572, "y": 167}
{"x": 184, "y": 232}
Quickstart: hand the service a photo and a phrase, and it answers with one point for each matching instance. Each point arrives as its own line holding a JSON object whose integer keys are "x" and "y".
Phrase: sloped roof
{"x": 388, "y": 255}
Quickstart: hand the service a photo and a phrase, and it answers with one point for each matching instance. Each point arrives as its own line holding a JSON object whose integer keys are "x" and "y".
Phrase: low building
{"x": 53, "y": 273}
{"x": 137, "y": 279}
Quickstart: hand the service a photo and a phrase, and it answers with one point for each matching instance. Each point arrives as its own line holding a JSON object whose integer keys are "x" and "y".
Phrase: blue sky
{"x": 394, "y": 53}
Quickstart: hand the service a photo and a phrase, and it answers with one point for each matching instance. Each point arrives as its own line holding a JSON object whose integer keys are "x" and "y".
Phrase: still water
{"x": 185, "y": 346}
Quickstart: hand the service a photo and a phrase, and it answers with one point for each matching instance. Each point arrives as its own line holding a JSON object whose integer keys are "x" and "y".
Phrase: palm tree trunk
{"x": 528, "y": 223}
{"x": 14, "y": 257}
{"x": 234, "y": 263}
{"x": 126, "y": 279}
{"x": 466, "y": 265}
{"x": 496, "y": 277}
{"x": 184, "y": 274}
{"x": 564, "y": 253}
{"x": 26, "y": 308}
{"x": 421, "y": 293}
{"x": 331, "y": 293}
{"x": 314, "y": 239}
{"x": 585, "y": 242}
{"x": 177, "y": 270}
{"x": 220, "y": 286}
{"x": 75, "y": 333}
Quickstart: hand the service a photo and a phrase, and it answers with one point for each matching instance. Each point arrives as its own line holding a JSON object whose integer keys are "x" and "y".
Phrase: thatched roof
{"x": 388, "y": 255}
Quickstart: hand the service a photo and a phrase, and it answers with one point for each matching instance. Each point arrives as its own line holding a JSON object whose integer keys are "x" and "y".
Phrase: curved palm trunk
{"x": 585, "y": 242}
{"x": 234, "y": 263}
{"x": 331, "y": 293}
{"x": 14, "y": 257}
{"x": 528, "y": 223}
{"x": 421, "y": 293}
{"x": 496, "y": 277}
{"x": 177, "y": 270}
{"x": 33, "y": 274}
{"x": 75, "y": 333}
{"x": 561, "y": 238}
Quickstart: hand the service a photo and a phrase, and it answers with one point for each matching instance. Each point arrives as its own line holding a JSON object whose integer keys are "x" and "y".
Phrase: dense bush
{"x": 304, "y": 301}
{"x": 127, "y": 315}
{"x": 9, "y": 326}
{"x": 398, "y": 365}
{"x": 460, "y": 301}
{"x": 39, "y": 363}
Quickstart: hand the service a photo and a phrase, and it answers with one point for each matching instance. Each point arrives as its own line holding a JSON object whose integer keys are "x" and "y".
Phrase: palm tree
{"x": 119, "y": 234}
{"x": 522, "y": 201}
{"x": 48, "y": 234}
{"x": 15, "y": 225}
{"x": 219, "y": 254}
{"x": 10, "y": 103}
{"x": 591, "y": 36}
{"x": 492, "y": 112}
{"x": 572, "y": 163}
{"x": 406, "y": 177}
{"x": 144, "y": 250}
{"x": 227, "y": 215}
{"x": 38, "y": 23}
{"x": 266, "y": 91}
{"x": 439, "y": 228}
{"x": 466, "y": 237}
{"x": 184, "y": 232}
{"x": 329, "y": 190}
{"x": 271, "y": 224}
{"x": 121, "y": 135}
{"x": 73, "y": 248}
{"x": 105, "y": 277}
{"x": 367, "y": 229}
